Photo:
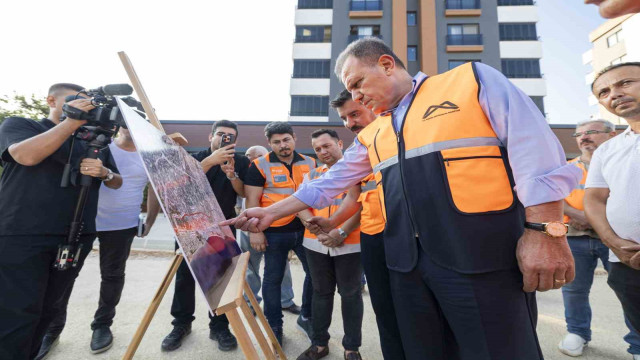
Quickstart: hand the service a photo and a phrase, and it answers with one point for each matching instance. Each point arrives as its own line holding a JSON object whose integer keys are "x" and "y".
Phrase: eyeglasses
{"x": 589, "y": 132}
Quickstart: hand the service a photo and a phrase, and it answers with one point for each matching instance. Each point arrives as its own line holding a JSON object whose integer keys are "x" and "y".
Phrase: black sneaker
{"x": 226, "y": 340}
{"x": 174, "y": 339}
{"x": 101, "y": 340}
{"x": 294, "y": 309}
{"x": 305, "y": 326}
{"x": 278, "y": 333}
{"x": 48, "y": 343}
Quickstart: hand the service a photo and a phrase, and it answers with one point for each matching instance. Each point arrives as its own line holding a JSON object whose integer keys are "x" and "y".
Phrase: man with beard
{"x": 356, "y": 117}
{"x": 225, "y": 170}
{"x": 271, "y": 179}
{"x": 612, "y": 199}
{"x": 334, "y": 260}
{"x": 585, "y": 244}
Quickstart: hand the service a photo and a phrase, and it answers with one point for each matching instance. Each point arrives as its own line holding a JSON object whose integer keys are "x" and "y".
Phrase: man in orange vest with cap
{"x": 584, "y": 242}
{"x": 471, "y": 180}
{"x": 334, "y": 259}
{"x": 273, "y": 178}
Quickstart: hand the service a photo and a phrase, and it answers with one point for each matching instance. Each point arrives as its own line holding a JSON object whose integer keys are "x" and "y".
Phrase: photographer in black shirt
{"x": 36, "y": 214}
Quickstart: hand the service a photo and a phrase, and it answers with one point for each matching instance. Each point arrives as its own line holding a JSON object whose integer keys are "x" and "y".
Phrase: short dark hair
{"x": 321, "y": 132}
{"x": 224, "y": 123}
{"x": 367, "y": 50}
{"x": 277, "y": 127}
{"x": 613, "y": 67}
{"x": 56, "y": 88}
{"x": 341, "y": 99}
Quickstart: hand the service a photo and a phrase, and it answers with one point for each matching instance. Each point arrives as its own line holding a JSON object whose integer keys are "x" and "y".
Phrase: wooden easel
{"x": 231, "y": 303}
{"x": 232, "y": 283}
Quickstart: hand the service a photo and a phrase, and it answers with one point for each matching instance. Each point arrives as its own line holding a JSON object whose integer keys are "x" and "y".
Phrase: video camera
{"x": 103, "y": 122}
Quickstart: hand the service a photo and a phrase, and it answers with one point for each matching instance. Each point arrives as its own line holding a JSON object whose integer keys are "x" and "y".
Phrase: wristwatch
{"x": 342, "y": 233}
{"x": 553, "y": 228}
{"x": 109, "y": 175}
{"x": 235, "y": 176}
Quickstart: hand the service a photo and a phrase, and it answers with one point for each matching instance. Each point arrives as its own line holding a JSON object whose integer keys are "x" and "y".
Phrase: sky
{"x": 208, "y": 60}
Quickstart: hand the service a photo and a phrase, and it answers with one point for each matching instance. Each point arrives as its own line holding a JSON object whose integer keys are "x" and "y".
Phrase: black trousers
{"x": 115, "y": 247}
{"x": 625, "y": 282}
{"x": 377, "y": 273}
{"x": 184, "y": 301}
{"x": 447, "y": 315}
{"x": 345, "y": 271}
{"x": 30, "y": 289}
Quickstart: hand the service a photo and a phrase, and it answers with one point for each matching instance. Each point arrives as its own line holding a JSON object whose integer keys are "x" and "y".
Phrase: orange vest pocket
{"x": 477, "y": 184}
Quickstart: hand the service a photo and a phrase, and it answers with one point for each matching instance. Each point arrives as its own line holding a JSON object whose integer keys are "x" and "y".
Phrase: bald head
{"x": 255, "y": 152}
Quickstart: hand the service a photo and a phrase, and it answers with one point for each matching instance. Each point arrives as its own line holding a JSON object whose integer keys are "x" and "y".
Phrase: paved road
{"x": 145, "y": 271}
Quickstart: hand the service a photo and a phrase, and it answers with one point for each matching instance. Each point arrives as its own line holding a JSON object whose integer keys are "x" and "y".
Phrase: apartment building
{"x": 431, "y": 36}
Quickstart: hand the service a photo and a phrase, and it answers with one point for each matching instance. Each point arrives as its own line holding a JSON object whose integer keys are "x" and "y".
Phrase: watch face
{"x": 556, "y": 229}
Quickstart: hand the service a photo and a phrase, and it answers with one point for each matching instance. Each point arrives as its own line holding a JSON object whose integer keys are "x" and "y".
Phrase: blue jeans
{"x": 577, "y": 311}
{"x": 275, "y": 262}
{"x": 253, "y": 274}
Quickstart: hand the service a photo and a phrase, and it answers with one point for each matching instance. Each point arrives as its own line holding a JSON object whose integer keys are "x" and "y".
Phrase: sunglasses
{"x": 589, "y": 132}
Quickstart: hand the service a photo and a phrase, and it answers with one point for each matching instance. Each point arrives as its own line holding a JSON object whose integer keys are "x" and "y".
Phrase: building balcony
{"x": 462, "y": 8}
{"x": 365, "y": 9}
{"x": 366, "y": 5}
{"x": 353, "y": 38}
{"x": 515, "y": 2}
{"x": 465, "y": 43}
{"x": 315, "y": 4}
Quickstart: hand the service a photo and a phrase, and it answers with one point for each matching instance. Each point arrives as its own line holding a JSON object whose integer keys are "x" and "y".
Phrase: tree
{"x": 20, "y": 105}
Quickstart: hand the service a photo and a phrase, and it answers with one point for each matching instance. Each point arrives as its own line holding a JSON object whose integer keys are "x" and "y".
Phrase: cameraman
{"x": 36, "y": 213}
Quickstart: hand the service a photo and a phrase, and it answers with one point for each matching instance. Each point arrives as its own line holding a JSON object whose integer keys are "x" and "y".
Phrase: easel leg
{"x": 151, "y": 310}
{"x": 255, "y": 328}
{"x": 242, "y": 335}
{"x": 263, "y": 320}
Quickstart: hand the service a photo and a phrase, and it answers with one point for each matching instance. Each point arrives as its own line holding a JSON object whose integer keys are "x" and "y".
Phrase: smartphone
{"x": 141, "y": 220}
{"x": 227, "y": 139}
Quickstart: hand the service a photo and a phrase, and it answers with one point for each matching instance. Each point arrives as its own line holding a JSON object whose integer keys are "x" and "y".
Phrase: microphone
{"x": 113, "y": 89}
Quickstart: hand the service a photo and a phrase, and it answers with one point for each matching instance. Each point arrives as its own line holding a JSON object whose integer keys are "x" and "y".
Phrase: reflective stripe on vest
{"x": 445, "y": 178}
{"x": 354, "y": 236}
{"x": 279, "y": 183}
{"x": 576, "y": 197}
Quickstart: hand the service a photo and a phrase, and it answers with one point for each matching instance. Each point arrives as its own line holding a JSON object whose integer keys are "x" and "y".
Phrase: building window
{"x": 315, "y": 4}
{"x": 614, "y": 39}
{"x": 464, "y": 34}
{"x": 456, "y": 63}
{"x": 361, "y": 31}
{"x": 518, "y": 31}
{"x": 619, "y": 60}
{"x": 538, "y": 100}
{"x": 515, "y": 2}
{"x": 462, "y": 4}
{"x": 365, "y": 5}
{"x": 305, "y": 33}
{"x": 311, "y": 69}
{"x": 411, "y": 18}
{"x": 412, "y": 53}
{"x": 309, "y": 105}
{"x": 521, "y": 68}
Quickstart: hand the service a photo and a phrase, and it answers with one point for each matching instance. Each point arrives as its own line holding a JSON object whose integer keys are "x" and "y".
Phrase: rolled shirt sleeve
{"x": 348, "y": 171}
{"x": 538, "y": 162}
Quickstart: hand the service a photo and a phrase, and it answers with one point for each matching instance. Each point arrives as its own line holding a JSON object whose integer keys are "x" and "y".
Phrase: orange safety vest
{"x": 576, "y": 198}
{"x": 279, "y": 183}
{"x": 444, "y": 180}
{"x": 371, "y": 217}
{"x": 352, "y": 242}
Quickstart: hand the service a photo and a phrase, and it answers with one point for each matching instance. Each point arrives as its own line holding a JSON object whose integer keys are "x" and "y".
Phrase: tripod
{"x": 69, "y": 252}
